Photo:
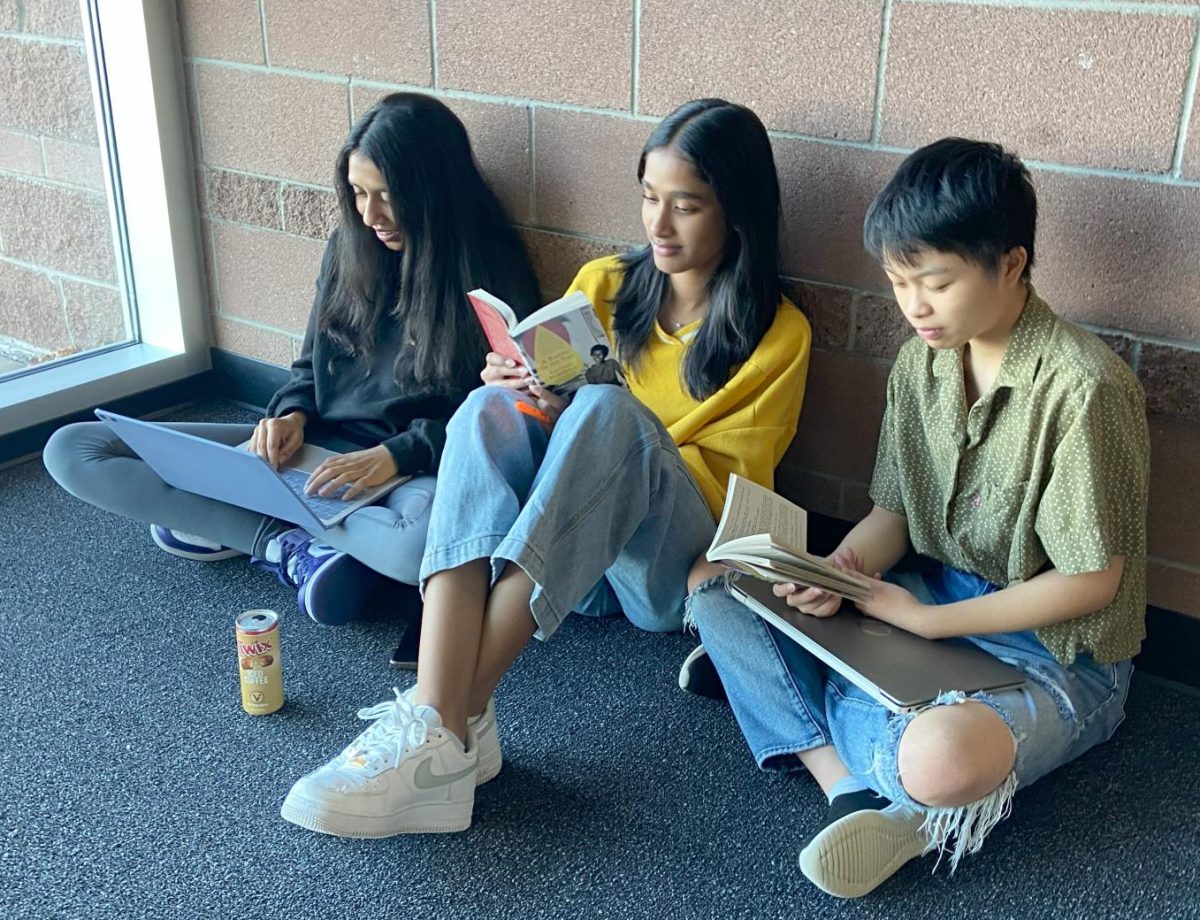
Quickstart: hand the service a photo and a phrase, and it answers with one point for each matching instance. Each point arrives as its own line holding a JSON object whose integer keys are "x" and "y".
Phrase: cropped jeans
{"x": 786, "y": 702}
{"x": 600, "y": 511}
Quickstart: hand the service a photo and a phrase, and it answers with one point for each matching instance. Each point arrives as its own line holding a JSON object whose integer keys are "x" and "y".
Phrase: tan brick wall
{"x": 58, "y": 290}
{"x": 1099, "y": 97}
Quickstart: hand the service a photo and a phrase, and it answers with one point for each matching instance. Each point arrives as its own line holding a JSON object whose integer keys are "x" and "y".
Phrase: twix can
{"x": 258, "y": 661}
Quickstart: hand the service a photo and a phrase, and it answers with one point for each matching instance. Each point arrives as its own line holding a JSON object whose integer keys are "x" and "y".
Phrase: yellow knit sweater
{"x": 746, "y": 425}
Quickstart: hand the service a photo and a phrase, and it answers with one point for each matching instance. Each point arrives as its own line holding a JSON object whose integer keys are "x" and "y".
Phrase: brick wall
{"x": 58, "y": 289}
{"x": 559, "y": 97}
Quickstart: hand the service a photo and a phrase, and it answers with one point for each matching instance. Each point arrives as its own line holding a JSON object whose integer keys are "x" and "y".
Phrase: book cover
{"x": 563, "y": 344}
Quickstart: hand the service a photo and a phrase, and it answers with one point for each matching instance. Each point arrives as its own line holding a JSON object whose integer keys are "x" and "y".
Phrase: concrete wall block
{"x": 266, "y": 276}
{"x": 309, "y": 211}
{"x": 78, "y": 164}
{"x": 1174, "y": 490}
{"x": 828, "y": 312}
{"x": 813, "y": 64}
{"x": 384, "y": 40}
{"x": 20, "y": 152}
{"x": 228, "y": 30}
{"x": 1171, "y": 377}
{"x": 880, "y": 327}
{"x": 245, "y": 199}
{"x": 62, "y": 229}
{"x": 271, "y": 124}
{"x": 578, "y": 51}
{"x": 46, "y": 90}
{"x": 31, "y": 309}
{"x": 1053, "y": 85}
{"x": 95, "y": 314}
{"x": 251, "y": 341}
{"x": 556, "y": 258}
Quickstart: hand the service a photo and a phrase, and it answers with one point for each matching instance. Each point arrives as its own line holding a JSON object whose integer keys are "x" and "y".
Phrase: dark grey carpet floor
{"x": 132, "y": 785}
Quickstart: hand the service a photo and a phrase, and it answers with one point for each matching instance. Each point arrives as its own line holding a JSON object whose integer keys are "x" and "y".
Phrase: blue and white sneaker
{"x": 190, "y": 546}
{"x": 331, "y": 586}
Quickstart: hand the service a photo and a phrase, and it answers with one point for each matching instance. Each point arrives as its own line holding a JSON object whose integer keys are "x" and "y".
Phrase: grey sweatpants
{"x": 93, "y": 464}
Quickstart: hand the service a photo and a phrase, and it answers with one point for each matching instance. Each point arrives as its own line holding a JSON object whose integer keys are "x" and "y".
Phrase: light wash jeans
{"x": 93, "y": 464}
{"x": 601, "y": 512}
{"x": 786, "y": 701}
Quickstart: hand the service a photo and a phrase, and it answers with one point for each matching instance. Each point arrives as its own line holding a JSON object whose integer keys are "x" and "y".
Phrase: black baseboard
{"x": 245, "y": 380}
{"x": 1171, "y": 651}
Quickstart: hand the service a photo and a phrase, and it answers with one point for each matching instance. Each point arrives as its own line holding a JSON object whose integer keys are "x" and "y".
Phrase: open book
{"x": 764, "y": 535}
{"x": 562, "y": 344}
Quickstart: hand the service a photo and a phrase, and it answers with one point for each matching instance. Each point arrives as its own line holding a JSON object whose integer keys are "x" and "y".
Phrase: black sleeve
{"x": 299, "y": 393}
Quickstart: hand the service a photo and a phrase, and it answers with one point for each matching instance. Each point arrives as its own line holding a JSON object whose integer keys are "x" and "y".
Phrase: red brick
{"x": 367, "y": 39}
{"x": 1120, "y": 253}
{"x": 63, "y": 229}
{"x": 499, "y": 137}
{"x": 575, "y": 51}
{"x": 46, "y": 90}
{"x": 843, "y": 408}
{"x": 266, "y": 276}
{"x": 586, "y": 169}
{"x": 271, "y": 124}
{"x": 826, "y": 191}
{"x": 556, "y": 258}
{"x": 31, "y": 309}
{"x": 95, "y": 314}
{"x": 1051, "y": 84}
{"x": 1173, "y": 588}
{"x": 251, "y": 341}
{"x": 814, "y": 63}
{"x": 227, "y": 30}
{"x": 1174, "y": 490}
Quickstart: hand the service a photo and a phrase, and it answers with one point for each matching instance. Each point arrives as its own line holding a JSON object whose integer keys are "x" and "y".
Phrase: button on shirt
{"x": 1049, "y": 468}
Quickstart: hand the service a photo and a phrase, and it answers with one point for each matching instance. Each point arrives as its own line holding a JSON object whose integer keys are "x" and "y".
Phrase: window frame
{"x": 161, "y": 266}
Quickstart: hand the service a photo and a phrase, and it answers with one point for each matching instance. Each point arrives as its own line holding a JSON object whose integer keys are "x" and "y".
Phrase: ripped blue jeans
{"x": 786, "y": 702}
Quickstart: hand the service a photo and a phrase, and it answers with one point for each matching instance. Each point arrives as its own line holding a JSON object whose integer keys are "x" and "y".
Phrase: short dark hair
{"x": 603, "y": 349}
{"x": 730, "y": 150}
{"x": 971, "y": 198}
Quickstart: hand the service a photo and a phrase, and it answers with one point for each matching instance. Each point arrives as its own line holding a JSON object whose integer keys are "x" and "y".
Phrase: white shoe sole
{"x": 433, "y": 818}
{"x": 860, "y": 852}
{"x": 206, "y": 556}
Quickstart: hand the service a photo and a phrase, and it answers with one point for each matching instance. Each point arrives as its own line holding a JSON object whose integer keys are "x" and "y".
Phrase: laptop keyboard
{"x": 323, "y": 506}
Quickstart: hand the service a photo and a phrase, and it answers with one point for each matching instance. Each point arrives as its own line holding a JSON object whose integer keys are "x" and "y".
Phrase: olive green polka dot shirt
{"x": 1049, "y": 468}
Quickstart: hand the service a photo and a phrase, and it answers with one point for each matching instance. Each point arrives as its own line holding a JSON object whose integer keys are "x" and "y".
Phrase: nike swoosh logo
{"x": 425, "y": 778}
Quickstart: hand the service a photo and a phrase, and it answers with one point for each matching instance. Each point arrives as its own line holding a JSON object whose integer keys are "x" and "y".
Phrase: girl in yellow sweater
{"x": 603, "y": 507}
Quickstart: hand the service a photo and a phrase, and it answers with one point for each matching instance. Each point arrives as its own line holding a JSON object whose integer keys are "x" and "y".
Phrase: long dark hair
{"x": 456, "y": 237}
{"x": 729, "y": 148}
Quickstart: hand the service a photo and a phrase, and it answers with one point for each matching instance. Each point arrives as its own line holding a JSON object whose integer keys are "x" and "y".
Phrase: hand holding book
{"x": 765, "y": 536}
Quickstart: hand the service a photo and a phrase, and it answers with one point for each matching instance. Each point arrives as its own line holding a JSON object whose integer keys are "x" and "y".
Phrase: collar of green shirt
{"x": 1022, "y": 357}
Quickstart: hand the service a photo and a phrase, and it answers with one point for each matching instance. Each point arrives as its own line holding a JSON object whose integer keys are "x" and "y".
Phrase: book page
{"x": 569, "y": 349}
{"x": 552, "y": 310}
{"x": 750, "y": 509}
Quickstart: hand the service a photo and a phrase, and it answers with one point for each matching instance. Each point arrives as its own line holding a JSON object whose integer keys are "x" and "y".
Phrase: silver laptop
{"x": 238, "y": 477}
{"x": 902, "y": 671}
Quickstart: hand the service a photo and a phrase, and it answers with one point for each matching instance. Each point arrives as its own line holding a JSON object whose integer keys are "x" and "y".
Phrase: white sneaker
{"x": 487, "y": 741}
{"x": 406, "y": 774}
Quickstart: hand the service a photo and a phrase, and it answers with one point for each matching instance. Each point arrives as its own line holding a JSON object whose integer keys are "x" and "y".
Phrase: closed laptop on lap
{"x": 904, "y": 672}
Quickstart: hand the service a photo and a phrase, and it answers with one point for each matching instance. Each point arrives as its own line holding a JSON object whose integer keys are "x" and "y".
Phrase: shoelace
{"x": 295, "y": 563}
{"x": 397, "y": 728}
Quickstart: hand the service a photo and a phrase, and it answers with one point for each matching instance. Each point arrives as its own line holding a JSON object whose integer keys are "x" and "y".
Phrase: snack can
{"x": 258, "y": 661}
